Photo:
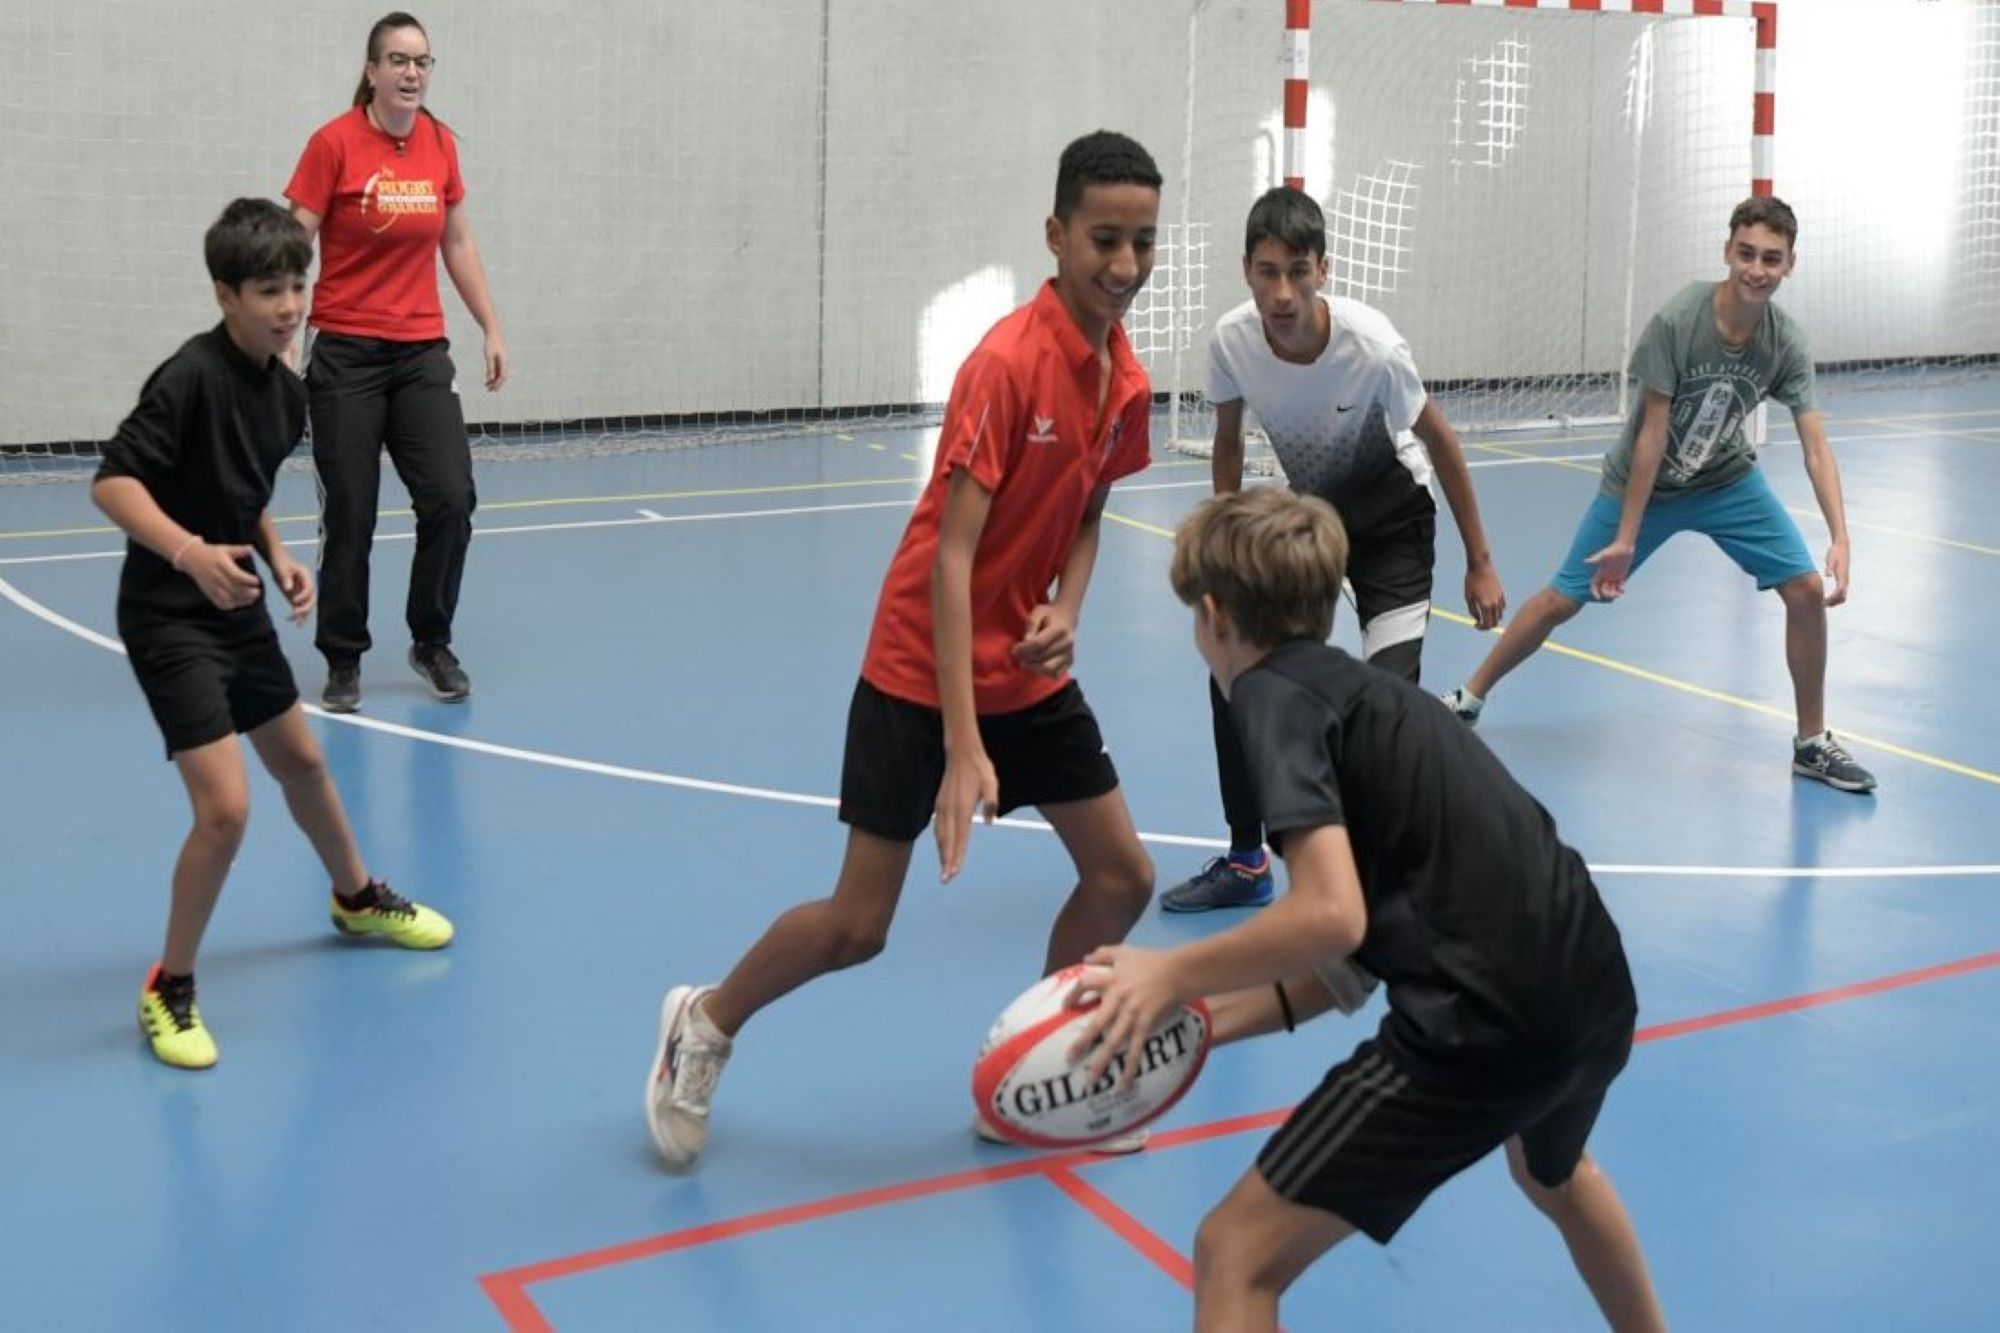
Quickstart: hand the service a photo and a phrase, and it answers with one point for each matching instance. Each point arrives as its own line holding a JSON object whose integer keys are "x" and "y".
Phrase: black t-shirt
{"x": 206, "y": 440}
{"x": 1498, "y": 957}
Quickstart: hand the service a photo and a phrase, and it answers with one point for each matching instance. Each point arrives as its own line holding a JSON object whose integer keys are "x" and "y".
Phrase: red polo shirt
{"x": 1023, "y": 421}
{"x": 382, "y": 203}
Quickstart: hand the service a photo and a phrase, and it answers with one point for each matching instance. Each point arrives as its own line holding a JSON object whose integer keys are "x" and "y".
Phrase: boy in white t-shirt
{"x": 1337, "y": 392}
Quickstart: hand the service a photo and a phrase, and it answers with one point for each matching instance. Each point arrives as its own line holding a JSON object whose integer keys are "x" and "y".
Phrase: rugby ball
{"x": 1029, "y": 1091}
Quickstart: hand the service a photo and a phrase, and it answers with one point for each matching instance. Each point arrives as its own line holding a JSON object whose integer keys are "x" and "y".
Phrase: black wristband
{"x": 1285, "y": 1004}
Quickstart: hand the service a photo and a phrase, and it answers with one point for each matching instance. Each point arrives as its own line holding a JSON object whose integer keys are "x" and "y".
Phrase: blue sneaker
{"x": 1221, "y": 883}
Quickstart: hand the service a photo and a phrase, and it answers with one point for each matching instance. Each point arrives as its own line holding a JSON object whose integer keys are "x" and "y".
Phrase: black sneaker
{"x": 343, "y": 689}
{"x": 441, "y": 672}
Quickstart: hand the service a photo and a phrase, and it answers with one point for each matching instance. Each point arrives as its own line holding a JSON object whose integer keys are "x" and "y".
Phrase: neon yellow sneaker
{"x": 172, "y": 1023}
{"x": 393, "y": 917}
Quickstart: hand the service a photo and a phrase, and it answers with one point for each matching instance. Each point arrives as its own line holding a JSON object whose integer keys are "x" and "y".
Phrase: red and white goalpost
{"x": 1764, "y": 113}
{"x": 1517, "y": 183}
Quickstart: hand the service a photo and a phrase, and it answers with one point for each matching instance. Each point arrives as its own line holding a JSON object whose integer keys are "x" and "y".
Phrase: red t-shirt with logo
{"x": 1023, "y": 421}
{"x": 382, "y": 202}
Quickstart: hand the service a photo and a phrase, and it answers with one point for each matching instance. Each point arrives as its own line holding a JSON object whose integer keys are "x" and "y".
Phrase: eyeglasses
{"x": 403, "y": 60}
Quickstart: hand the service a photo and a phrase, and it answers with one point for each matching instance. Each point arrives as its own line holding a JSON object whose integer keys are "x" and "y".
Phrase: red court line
{"x": 1856, "y": 991}
{"x": 1129, "y": 1228}
{"x": 508, "y": 1288}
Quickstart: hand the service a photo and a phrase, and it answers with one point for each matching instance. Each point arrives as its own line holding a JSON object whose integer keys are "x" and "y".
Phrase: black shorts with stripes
{"x": 1372, "y": 1142}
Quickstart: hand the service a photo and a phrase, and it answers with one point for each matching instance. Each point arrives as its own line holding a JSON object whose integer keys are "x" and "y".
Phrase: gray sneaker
{"x": 1461, "y": 705}
{"x": 343, "y": 689}
{"x": 442, "y": 674}
{"x": 1825, "y": 759}
{"x": 681, "y": 1084}
{"x": 1220, "y": 883}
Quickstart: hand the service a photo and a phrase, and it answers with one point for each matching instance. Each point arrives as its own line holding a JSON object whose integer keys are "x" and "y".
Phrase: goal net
{"x": 1516, "y": 189}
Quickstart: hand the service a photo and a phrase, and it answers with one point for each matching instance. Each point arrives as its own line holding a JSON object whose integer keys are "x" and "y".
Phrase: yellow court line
{"x": 557, "y": 503}
{"x": 1669, "y": 682}
{"x": 1718, "y": 696}
{"x": 1953, "y": 542}
{"x": 1974, "y": 547}
{"x": 1594, "y": 469}
{"x": 1168, "y": 533}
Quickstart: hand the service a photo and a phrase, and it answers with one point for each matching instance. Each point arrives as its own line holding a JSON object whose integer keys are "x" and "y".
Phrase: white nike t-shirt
{"x": 1339, "y": 425}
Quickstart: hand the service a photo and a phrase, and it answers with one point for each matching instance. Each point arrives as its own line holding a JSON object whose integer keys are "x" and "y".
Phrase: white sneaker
{"x": 681, "y": 1084}
{"x": 1463, "y": 706}
{"x": 1124, "y": 1144}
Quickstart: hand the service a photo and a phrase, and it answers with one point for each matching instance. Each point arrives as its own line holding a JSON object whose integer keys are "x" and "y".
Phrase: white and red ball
{"x": 1029, "y": 1090}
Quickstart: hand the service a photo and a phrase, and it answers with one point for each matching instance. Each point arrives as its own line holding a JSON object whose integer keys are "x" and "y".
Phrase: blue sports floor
{"x": 663, "y": 647}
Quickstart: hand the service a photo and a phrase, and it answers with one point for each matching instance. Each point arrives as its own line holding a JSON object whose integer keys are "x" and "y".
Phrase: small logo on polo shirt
{"x": 1348, "y": 407}
{"x": 1044, "y": 431}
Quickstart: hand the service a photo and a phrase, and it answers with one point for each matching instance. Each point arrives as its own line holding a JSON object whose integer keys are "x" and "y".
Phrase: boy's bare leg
{"x": 1249, "y": 1249}
{"x": 1602, "y": 1241}
{"x": 1523, "y": 637}
{"x": 1114, "y": 877}
{"x": 218, "y": 788}
{"x": 818, "y": 937}
{"x": 292, "y": 755}
{"x": 1805, "y": 649}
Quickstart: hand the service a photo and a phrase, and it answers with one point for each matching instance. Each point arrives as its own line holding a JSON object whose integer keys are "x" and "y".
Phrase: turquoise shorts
{"x": 1744, "y": 518}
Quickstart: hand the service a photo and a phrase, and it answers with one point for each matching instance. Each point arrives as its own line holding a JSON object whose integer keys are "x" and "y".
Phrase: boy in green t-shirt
{"x": 1705, "y": 361}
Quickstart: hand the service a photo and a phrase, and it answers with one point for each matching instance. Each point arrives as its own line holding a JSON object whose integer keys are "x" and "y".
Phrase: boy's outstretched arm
{"x": 1614, "y": 562}
{"x": 1484, "y": 596}
{"x": 1322, "y": 916}
{"x": 1825, "y": 475}
{"x": 1255, "y": 1011}
{"x": 969, "y": 780}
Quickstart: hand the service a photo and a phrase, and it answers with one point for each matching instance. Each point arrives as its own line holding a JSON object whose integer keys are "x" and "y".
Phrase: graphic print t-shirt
{"x": 1340, "y": 427}
{"x": 382, "y": 203}
{"x": 1714, "y": 386}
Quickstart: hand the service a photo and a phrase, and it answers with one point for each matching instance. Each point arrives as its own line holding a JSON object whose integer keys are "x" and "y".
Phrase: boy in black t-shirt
{"x": 187, "y": 477}
{"x": 1412, "y": 853}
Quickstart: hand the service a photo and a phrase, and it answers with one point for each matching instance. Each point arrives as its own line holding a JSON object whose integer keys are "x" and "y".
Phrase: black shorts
{"x": 1046, "y": 754}
{"x": 1390, "y": 565}
{"x": 1371, "y": 1143}
{"x": 210, "y": 676}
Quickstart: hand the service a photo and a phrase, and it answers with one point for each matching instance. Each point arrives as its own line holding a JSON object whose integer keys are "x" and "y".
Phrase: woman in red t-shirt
{"x": 380, "y": 187}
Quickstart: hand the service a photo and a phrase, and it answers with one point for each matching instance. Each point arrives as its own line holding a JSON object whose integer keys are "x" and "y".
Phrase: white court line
{"x": 650, "y": 518}
{"x": 650, "y": 777}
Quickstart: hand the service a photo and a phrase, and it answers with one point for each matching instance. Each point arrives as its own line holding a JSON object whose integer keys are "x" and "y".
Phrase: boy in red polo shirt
{"x": 965, "y": 701}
